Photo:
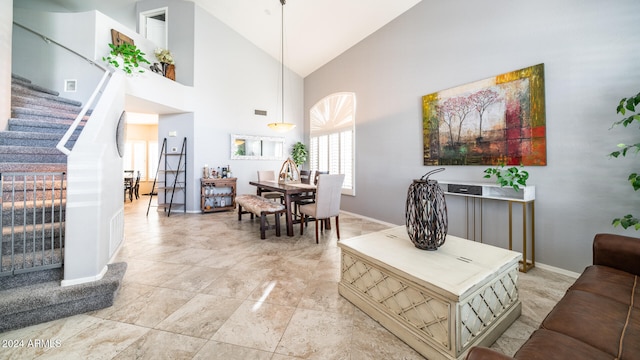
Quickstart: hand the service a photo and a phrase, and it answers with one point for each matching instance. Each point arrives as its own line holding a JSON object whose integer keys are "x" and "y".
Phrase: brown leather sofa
{"x": 598, "y": 317}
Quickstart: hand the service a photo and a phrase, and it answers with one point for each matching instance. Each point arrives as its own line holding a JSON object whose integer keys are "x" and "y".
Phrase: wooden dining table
{"x": 289, "y": 191}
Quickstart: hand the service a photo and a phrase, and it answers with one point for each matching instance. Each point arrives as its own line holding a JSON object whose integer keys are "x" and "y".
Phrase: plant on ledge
{"x": 628, "y": 104}
{"x": 513, "y": 176}
{"x": 127, "y": 55}
{"x": 299, "y": 153}
{"x": 164, "y": 56}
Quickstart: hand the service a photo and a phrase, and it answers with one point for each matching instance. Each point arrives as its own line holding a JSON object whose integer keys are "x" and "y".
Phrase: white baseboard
{"x": 369, "y": 219}
{"x": 85, "y": 279}
{"x": 558, "y": 270}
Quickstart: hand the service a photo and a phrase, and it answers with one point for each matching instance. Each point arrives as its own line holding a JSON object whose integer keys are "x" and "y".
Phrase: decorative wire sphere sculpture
{"x": 426, "y": 213}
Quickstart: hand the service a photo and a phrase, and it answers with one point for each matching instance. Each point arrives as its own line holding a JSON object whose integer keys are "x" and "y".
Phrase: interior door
{"x": 156, "y": 31}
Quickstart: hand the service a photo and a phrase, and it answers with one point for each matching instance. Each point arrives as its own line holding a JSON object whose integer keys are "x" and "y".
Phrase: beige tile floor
{"x": 204, "y": 286}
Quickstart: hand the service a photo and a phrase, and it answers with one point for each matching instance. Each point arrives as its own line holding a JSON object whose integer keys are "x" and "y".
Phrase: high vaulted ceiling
{"x": 315, "y": 31}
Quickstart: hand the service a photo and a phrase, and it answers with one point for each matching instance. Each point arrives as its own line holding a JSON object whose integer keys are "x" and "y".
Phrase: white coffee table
{"x": 439, "y": 302}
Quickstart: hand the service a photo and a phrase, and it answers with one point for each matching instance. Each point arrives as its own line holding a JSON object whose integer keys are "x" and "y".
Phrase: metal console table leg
{"x": 525, "y": 264}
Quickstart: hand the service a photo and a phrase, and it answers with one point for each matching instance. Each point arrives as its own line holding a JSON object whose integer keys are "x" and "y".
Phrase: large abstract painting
{"x": 500, "y": 120}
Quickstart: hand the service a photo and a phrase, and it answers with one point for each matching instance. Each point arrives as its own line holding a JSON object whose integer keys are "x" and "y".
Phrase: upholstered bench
{"x": 254, "y": 204}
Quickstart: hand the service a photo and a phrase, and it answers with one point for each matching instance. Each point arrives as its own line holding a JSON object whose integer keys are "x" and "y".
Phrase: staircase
{"x": 33, "y": 176}
{"x": 40, "y": 119}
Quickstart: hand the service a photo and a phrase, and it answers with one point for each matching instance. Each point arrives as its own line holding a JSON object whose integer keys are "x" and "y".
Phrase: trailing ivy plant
{"x": 131, "y": 57}
{"x": 628, "y": 104}
{"x": 299, "y": 153}
{"x": 513, "y": 176}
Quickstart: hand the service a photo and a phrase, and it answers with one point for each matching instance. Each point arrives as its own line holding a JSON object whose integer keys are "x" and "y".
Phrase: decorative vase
{"x": 169, "y": 71}
{"x": 426, "y": 213}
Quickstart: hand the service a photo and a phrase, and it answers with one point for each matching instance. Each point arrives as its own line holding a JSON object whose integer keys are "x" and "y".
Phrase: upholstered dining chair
{"x": 326, "y": 205}
{"x": 303, "y": 198}
{"x": 270, "y": 175}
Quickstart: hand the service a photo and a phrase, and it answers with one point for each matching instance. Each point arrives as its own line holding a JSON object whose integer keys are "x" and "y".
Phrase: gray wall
{"x": 6, "y": 14}
{"x": 591, "y": 55}
{"x": 122, "y": 10}
{"x": 234, "y": 78}
{"x": 180, "y": 23}
{"x": 32, "y": 58}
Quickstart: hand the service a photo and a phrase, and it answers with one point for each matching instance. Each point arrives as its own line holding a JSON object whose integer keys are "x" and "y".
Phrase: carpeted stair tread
{"x": 27, "y": 138}
{"x": 31, "y": 278}
{"x": 43, "y": 204}
{"x": 34, "y": 87}
{"x": 18, "y": 100}
{"x": 19, "y": 184}
{"x": 6, "y": 231}
{"x": 19, "y": 78}
{"x": 20, "y": 112}
{"x": 28, "y": 135}
{"x": 32, "y": 304}
{"x": 45, "y": 121}
{"x": 31, "y": 154}
{"x": 32, "y": 167}
{"x": 33, "y": 90}
{"x": 21, "y": 89}
{"x": 37, "y": 150}
{"x": 37, "y": 126}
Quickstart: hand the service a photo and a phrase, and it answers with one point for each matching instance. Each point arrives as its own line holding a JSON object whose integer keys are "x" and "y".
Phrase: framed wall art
{"x": 499, "y": 120}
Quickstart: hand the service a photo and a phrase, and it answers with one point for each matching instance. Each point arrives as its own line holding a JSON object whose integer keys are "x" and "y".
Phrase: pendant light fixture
{"x": 282, "y": 126}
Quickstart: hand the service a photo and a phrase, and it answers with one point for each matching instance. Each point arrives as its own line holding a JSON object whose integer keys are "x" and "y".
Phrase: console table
{"x": 526, "y": 196}
{"x": 440, "y": 302}
{"x": 217, "y": 194}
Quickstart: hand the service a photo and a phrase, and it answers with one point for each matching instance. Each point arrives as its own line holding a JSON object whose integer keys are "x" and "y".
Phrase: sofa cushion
{"x": 631, "y": 341}
{"x": 590, "y": 318}
{"x": 549, "y": 345}
{"x": 609, "y": 282}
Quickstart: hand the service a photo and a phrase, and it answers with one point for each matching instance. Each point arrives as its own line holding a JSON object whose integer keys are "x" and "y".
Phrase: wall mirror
{"x": 248, "y": 147}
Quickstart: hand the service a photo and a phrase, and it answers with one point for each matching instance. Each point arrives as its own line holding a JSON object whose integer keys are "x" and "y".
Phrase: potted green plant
{"x": 299, "y": 153}
{"x": 513, "y": 176}
{"x": 628, "y": 104}
{"x": 126, "y": 55}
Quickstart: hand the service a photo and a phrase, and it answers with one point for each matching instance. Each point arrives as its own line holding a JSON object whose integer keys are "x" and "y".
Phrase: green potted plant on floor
{"x": 628, "y": 104}
{"x": 513, "y": 176}
{"x": 127, "y": 56}
{"x": 299, "y": 153}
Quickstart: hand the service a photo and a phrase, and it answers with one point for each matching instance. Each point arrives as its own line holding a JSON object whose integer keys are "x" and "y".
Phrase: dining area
{"x": 131, "y": 184}
{"x": 302, "y": 196}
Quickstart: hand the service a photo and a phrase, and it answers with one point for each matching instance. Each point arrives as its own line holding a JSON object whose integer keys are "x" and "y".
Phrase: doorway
{"x": 154, "y": 26}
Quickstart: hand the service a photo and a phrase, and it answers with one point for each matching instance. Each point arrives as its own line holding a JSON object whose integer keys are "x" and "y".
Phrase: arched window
{"x": 333, "y": 135}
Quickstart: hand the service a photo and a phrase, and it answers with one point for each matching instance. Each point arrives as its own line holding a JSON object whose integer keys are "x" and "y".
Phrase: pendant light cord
{"x": 282, "y": 54}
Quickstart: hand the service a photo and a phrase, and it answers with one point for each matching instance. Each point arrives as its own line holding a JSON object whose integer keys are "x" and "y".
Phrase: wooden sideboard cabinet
{"x": 217, "y": 194}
